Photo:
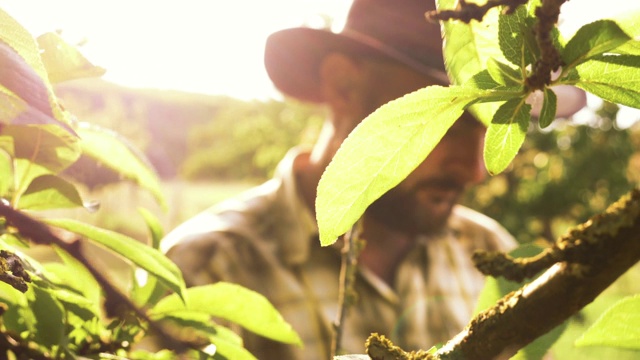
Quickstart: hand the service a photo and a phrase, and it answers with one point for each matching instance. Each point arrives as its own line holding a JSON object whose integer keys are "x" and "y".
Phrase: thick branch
{"x": 596, "y": 254}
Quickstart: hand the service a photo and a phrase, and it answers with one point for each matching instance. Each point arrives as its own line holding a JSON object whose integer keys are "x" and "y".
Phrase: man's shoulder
{"x": 478, "y": 225}
{"x": 232, "y": 217}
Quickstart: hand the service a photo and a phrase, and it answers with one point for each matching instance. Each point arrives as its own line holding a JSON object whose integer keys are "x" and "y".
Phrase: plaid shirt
{"x": 266, "y": 240}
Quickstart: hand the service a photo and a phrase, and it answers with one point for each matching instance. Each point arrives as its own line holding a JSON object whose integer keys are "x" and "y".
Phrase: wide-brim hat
{"x": 393, "y": 29}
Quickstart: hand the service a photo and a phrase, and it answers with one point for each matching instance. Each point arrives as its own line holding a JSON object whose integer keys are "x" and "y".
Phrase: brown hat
{"x": 396, "y": 29}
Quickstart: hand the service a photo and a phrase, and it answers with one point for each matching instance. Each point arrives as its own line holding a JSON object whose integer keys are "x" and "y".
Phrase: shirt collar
{"x": 300, "y": 226}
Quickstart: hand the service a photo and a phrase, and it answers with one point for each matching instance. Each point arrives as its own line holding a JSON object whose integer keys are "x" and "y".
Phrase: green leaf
{"x": 76, "y": 276}
{"x": 228, "y": 348}
{"x": 233, "y": 303}
{"x": 629, "y": 22}
{"x": 65, "y": 295}
{"x": 48, "y": 317}
{"x": 503, "y": 73}
{"x": 506, "y": 134}
{"x": 468, "y": 48}
{"x": 48, "y": 145}
{"x": 227, "y": 343}
{"x": 615, "y": 78}
{"x": 37, "y": 87}
{"x": 484, "y": 111}
{"x": 117, "y": 154}
{"x": 63, "y": 61}
{"x": 548, "y": 112}
{"x": 592, "y": 40}
{"x": 6, "y": 169}
{"x": 147, "y": 290}
{"x": 511, "y": 31}
{"x": 154, "y": 225}
{"x": 382, "y": 150}
{"x": 40, "y": 150}
{"x": 150, "y": 259}
{"x": 617, "y": 327}
{"x": 49, "y": 192}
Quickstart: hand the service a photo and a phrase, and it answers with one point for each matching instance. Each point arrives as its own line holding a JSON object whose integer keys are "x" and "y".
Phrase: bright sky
{"x": 205, "y": 46}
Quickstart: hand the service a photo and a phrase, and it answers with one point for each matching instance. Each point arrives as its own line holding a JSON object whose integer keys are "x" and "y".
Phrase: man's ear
{"x": 340, "y": 77}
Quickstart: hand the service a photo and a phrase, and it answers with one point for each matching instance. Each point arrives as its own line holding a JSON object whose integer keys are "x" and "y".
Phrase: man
{"x": 416, "y": 283}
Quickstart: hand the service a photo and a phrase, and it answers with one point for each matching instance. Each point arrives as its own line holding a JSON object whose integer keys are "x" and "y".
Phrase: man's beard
{"x": 423, "y": 209}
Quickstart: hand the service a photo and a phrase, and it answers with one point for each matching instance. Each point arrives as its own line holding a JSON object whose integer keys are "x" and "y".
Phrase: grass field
{"x": 119, "y": 212}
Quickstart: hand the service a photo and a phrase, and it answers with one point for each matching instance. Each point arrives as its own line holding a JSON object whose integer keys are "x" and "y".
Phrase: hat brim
{"x": 293, "y": 56}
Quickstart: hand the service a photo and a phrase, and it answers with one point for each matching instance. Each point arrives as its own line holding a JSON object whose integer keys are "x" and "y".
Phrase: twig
{"x": 347, "y": 295}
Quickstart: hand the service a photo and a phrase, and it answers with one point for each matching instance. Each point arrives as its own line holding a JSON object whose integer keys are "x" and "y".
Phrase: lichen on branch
{"x": 582, "y": 245}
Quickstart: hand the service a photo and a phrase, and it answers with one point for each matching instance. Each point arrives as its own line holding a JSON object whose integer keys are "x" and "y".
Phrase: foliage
{"x": 495, "y": 66}
{"x": 246, "y": 140}
{"x": 426, "y": 114}
{"x": 616, "y": 327}
{"x": 68, "y": 309}
{"x": 559, "y": 179}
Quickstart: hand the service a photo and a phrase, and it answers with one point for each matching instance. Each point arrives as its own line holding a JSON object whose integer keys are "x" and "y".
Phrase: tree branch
{"x": 590, "y": 258}
{"x": 595, "y": 254}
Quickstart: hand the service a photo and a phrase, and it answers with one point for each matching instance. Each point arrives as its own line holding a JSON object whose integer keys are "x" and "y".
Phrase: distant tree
{"x": 246, "y": 139}
{"x": 560, "y": 177}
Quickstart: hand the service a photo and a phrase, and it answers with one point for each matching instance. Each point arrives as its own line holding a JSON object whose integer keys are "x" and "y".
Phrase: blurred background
{"x": 186, "y": 85}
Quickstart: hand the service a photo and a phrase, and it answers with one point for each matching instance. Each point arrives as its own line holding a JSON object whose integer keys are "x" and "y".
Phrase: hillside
{"x": 157, "y": 121}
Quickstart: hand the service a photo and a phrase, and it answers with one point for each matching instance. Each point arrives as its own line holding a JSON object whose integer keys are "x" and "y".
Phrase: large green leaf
{"x": 49, "y": 192}
{"x": 592, "y": 40}
{"x": 506, "y": 134}
{"x": 615, "y": 78}
{"x": 617, "y": 327}
{"x": 116, "y": 153}
{"x": 148, "y": 258}
{"x": 382, "y": 150}
{"x": 234, "y": 303}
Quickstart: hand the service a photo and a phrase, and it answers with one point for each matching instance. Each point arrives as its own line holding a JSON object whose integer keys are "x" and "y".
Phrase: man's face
{"x": 423, "y": 202}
